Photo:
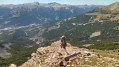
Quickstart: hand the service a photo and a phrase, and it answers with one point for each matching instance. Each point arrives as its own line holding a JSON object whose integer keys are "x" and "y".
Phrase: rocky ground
{"x": 54, "y": 56}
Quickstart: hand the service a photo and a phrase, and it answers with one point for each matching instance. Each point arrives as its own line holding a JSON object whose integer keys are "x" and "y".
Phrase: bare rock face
{"x": 54, "y": 55}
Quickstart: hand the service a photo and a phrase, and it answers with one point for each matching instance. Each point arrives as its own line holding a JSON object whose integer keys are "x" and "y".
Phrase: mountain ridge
{"x": 40, "y": 4}
{"x": 55, "y": 56}
{"x": 39, "y": 13}
{"x": 112, "y": 8}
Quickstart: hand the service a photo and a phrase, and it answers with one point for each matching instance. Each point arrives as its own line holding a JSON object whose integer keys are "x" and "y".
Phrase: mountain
{"x": 113, "y": 8}
{"x": 95, "y": 27}
{"x": 29, "y": 13}
{"x": 55, "y": 56}
{"x": 96, "y": 31}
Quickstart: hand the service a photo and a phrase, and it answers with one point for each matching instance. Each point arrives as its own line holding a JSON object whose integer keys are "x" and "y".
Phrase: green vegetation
{"x": 77, "y": 33}
{"x": 79, "y": 29}
{"x": 107, "y": 53}
{"x": 1, "y": 44}
{"x": 20, "y": 49}
{"x": 110, "y": 44}
{"x": 20, "y": 52}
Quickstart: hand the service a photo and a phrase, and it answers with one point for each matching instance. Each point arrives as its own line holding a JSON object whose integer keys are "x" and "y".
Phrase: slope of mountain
{"x": 15, "y": 44}
{"x": 94, "y": 27}
{"x": 113, "y": 8}
{"x": 3, "y": 11}
{"x": 55, "y": 56}
{"x": 97, "y": 29}
{"x": 29, "y": 13}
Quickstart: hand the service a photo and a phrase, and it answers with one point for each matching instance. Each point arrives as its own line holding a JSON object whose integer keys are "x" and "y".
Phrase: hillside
{"x": 96, "y": 32}
{"x": 29, "y": 13}
{"x": 93, "y": 27}
{"x": 113, "y": 8}
{"x": 55, "y": 56}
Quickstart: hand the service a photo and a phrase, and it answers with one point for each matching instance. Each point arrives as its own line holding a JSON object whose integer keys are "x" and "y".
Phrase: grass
{"x": 98, "y": 62}
{"x": 104, "y": 16}
{"x": 107, "y": 53}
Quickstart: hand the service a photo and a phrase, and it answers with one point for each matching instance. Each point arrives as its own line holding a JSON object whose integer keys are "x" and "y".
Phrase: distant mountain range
{"x": 28, "y": 13}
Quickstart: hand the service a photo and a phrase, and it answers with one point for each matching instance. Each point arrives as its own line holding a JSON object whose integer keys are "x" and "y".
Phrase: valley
{"x": 35, "y": 28}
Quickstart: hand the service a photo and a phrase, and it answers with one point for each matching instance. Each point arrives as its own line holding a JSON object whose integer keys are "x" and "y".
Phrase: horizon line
{"x": 52, "y": 2}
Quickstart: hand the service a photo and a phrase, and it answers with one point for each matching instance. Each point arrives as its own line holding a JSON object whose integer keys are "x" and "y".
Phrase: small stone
{"x": 116, "y": 65}
{"x": 33, "y": 54}
{"x": 72, "y": 65}
{"x": 13, "y": 65}
{"x": 88, "y": 54}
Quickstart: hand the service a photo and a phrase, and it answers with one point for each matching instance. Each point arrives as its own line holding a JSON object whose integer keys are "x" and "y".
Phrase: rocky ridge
{"x": 55, "y": 56}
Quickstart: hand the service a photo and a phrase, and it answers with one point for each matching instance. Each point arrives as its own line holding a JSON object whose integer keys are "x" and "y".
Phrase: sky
{"x": 72, "y": 2}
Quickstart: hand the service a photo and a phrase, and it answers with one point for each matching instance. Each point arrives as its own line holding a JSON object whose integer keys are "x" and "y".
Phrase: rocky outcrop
{"x": 54, "y": 55}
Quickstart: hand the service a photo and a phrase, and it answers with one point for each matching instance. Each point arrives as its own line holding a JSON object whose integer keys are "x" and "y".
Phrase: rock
{"x": 88, "y": 54}
{"x": 98, "y": 55}
{"x": 33, "y": 54}
{"x": 54, "y": 55}
{"x": 13, "y": 65}
{"x": 116, "y": 65}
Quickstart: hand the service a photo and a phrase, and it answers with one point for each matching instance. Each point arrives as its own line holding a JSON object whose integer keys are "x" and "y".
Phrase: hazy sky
{"x": 74, "y": 2}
